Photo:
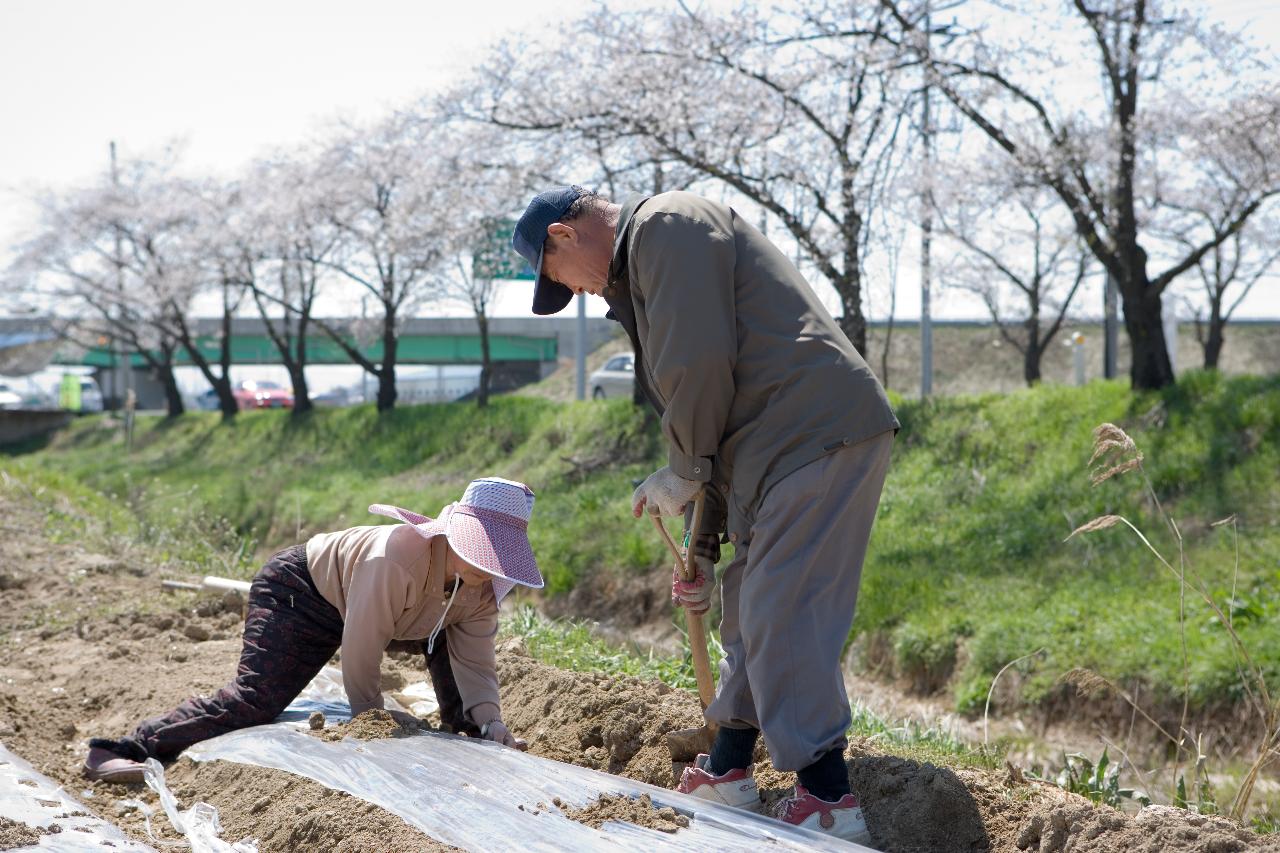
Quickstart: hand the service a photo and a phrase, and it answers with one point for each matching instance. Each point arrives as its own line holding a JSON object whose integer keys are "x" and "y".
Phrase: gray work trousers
{"x": 789, "y": 596}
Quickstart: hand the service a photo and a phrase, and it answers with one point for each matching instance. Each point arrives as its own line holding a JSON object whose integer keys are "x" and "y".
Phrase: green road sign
{"x": 494, "y": 258}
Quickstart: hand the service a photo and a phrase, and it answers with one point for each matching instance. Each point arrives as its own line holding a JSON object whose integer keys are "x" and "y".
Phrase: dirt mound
{"x": 639, "y": 811}
{"x": 1155, "y": 829}
{"x": 14, "y": 834}
{"x": 615, "y": 724}
{"x": 917, "y": 807}
{"x": 373, "y": 724}
{"x": 285, "y": 813}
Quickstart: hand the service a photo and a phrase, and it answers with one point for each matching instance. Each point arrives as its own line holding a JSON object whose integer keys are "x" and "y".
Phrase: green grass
{"x": 968, "y": 568}
{"x": 269, "y": 481}
{"x": 569, "y": 644}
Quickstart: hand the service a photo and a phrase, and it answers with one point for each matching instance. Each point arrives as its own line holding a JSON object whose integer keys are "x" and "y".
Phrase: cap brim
{"x": 549, "y": 297}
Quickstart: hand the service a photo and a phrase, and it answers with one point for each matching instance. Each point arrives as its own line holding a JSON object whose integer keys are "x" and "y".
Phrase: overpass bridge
{"x": 522, "y": 350}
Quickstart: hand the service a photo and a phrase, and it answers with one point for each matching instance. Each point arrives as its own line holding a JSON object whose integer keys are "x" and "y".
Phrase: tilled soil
{"x": 14, "y": 834}
{"x": 89, "y": 646}
{"x": 369, "y": 725}
{"x": 639, "y": 810}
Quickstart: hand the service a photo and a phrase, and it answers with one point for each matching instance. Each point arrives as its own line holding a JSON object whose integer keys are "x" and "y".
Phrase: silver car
{"x": 615, "y": 379}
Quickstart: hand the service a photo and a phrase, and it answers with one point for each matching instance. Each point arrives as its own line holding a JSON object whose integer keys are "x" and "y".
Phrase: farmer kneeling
{"x": 357, "y": 590}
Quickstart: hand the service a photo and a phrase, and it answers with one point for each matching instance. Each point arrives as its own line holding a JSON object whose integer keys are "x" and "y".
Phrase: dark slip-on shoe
{"x": 103, "y": 765}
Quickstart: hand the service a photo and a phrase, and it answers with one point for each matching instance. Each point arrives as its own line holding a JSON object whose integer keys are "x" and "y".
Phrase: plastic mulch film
{"x": 481, "y": 796}
{"x": 37, "y": 801}
{"x": 199, "y": 825}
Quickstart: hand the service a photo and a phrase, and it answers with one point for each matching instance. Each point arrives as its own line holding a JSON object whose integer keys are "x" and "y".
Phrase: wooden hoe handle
{"x": 696, "y": 628}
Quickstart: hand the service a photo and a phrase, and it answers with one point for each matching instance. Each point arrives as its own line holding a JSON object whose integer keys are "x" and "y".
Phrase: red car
{"x": 260, "y": 394}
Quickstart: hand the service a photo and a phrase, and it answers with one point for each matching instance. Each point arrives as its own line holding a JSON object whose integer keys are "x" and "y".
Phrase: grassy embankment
{"x": 968, "y": 568}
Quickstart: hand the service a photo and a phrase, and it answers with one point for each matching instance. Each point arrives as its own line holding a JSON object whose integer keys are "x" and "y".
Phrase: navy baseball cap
{"x": 530, "y": 234}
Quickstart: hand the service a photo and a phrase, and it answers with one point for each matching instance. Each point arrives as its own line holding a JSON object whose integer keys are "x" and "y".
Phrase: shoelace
{"x": 431, "y": 641}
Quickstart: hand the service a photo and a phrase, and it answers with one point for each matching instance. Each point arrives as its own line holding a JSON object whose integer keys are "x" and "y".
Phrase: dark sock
{"x": 827, "y": 778}
{"x": 732, "y": 750}
{"x": 124, "y": 747}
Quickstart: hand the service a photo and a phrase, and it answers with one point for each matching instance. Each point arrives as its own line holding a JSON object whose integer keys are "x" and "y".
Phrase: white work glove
{"x": 663, "y": 492}
{"x": 694, "y": 595}
{"x": 497, "y": 731}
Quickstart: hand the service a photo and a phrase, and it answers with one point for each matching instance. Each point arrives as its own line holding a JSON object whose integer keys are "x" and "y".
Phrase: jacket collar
{"x": 618, "y": 265}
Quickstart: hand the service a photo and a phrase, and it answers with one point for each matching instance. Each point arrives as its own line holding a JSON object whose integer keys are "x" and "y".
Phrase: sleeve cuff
{"x": 696, "y": 468}
{"x": 485, "y": 712}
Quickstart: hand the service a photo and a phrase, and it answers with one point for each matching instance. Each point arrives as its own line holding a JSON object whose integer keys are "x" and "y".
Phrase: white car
{"x": 9, "y": 399}
{"x": 616, "y": 379}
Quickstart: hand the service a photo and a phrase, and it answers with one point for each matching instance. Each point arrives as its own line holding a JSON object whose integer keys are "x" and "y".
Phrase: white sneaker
{"x": 842, "y": 819}
{"x": 737, "y": 788}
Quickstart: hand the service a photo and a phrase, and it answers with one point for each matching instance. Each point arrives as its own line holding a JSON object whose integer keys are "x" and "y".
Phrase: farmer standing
{"x": 766, "y": 404}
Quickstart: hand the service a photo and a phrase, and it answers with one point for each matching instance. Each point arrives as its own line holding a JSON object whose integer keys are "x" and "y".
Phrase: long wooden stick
{"x": 697, "y": 630}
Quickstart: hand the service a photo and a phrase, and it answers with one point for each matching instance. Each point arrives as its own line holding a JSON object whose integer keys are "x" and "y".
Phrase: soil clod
{"x": 373, "y": 724}
{"x": 14, "y": 834}
{"x": 639, "y": 811}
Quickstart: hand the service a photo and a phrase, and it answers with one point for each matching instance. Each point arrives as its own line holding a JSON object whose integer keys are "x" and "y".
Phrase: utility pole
{"x": 580, "y": 346}
{"x": 121, "y": 362}
{"x": 1110, "y": 331}
{"x": 926, "y": 226}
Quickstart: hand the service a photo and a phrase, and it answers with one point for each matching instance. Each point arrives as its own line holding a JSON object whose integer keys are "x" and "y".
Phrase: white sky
{"x": 237, "y": 78}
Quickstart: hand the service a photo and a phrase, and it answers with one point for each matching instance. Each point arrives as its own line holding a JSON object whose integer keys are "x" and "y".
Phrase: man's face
{"x": 579, "y": 256}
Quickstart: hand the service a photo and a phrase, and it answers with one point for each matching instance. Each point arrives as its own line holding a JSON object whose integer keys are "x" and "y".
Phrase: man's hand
{"x": 663, "y": 493}
{"x": 694, "y": 595}
{"x": 498, "y": 732}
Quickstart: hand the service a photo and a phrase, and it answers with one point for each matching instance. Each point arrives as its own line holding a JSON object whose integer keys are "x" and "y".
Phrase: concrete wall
{"x": 20, "y": 425}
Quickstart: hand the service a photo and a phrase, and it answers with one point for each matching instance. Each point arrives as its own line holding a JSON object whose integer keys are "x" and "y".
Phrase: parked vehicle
{"x": 90, "y": 395}
{"x": 206, "y": 400}
{"x": 334, "y": 397}
{"x": 9, "y": 399}
{"x": 616, "y": 379}
{"x": 261, "y": 394}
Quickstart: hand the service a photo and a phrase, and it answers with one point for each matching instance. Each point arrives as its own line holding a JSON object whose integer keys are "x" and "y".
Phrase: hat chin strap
{"x": 431, "y": 641}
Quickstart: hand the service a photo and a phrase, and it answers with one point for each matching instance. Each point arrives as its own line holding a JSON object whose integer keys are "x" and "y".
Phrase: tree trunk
{"x": 1031, "y": 364}
{"x": 1213, "y": 344}
{"x": 1151, "y": 368}
{"x": 1034, "y": 349}
{"x": 164, "y": 372}
{"x": 387, "y": 370}
{"x": 226, "y": 400}
{"x": 297, "y": 366}
{"x": 486, "y": 363}
{"x": 301, "y": 396}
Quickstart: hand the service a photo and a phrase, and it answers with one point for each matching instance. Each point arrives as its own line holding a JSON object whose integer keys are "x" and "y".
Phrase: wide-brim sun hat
{"x": 488, "y": 527}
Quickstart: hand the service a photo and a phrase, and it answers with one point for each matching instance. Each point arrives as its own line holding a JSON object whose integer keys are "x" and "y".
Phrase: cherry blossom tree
{"x": 286, "y": 240}
{"x": 377, "y": 188}
{"x": 1017, "y": 251}
{"x": 1126, "y": 110}
{"x": 778, "y": 108}
{"x": 1227, "y": 275}
{"x": 100, "y": 255}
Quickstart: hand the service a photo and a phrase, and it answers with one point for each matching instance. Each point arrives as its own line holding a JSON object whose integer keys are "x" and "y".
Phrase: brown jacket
{"x": 388, "y": 583}
{"x": 751, "y": 374}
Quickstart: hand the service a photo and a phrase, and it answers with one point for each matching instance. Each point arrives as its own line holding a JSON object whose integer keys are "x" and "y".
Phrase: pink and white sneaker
{"x": 737, "y": 788}
{"x": 842, "y": 819}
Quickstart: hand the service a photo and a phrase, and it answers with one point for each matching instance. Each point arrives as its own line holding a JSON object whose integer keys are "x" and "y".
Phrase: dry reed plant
{"x": 1116, "y": 454}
